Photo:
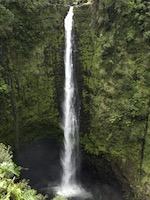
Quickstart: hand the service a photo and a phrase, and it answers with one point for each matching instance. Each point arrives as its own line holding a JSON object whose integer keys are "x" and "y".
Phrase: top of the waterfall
{"x": 70, "y": 11}
{"x": 69, "y": 19}
{"x": 79, "y": 3}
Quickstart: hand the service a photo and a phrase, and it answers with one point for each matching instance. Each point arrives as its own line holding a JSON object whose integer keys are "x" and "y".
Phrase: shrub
{"x": 10, "y": 188}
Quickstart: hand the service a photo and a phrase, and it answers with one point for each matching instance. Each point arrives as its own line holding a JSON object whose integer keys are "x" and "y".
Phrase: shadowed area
{"x": 41, "y": 163}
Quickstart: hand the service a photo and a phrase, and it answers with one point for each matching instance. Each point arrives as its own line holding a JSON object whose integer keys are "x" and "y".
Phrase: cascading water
{"x": 69, "y": 186}
{"x": 70, "y": 120}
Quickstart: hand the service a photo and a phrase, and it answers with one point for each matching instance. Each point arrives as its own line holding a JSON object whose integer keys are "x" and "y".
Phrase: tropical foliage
{"x": 10, "y": 187}
{"x": 115, "y": 86}
{"x": 29, "y": 62}
{"x": 112, "y": 61}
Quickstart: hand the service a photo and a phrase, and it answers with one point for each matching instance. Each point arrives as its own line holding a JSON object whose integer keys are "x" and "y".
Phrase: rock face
{"x": 111, "y": 59}
{"x": 31, "y": 67}
{"x": 115, "y": 89}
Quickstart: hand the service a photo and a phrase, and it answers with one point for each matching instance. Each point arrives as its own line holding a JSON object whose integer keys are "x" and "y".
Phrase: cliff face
{"x": 31, "y": 65}
{"x": 111, "y": 53}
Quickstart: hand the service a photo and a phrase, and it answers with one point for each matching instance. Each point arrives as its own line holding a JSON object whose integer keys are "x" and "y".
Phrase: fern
{"x": 5, "y": 153}
{"x": 9, "y": 169}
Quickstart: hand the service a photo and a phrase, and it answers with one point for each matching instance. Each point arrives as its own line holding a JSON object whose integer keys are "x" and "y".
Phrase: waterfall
{"x": 69, "y": 186}
{"x": 70, "y": 119}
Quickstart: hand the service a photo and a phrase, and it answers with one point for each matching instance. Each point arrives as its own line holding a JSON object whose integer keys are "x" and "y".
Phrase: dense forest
{"x": 112, "y": 60}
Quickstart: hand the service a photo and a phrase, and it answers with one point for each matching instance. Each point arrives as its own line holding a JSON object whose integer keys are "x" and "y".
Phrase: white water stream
{"x": 69, "y": 186}
{"x": 70, "y": 120}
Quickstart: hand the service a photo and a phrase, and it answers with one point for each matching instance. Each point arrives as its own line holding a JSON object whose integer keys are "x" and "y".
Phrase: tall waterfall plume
{"x": 69, "y": 186}
{"x": 70, "y": 119}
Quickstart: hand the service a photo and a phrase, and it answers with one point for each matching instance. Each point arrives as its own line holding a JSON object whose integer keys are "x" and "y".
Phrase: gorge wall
{"x": 112, "y": 43}
{"x": 113, "y": 51}
{"x": 31, "y": 67}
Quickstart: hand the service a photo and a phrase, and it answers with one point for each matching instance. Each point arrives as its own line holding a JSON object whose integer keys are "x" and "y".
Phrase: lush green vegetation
{"x": 112, "y": 59}
{"x": 10, "y": 187}
{"x": 31, "y": 54}
{"x": 116, "y": 89}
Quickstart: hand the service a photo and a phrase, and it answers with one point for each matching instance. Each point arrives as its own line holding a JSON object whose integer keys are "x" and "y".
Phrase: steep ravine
{"x": 111, "y": 58}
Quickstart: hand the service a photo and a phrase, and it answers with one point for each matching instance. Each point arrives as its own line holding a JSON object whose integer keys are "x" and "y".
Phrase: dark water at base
{"x": 42, "y": 161}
